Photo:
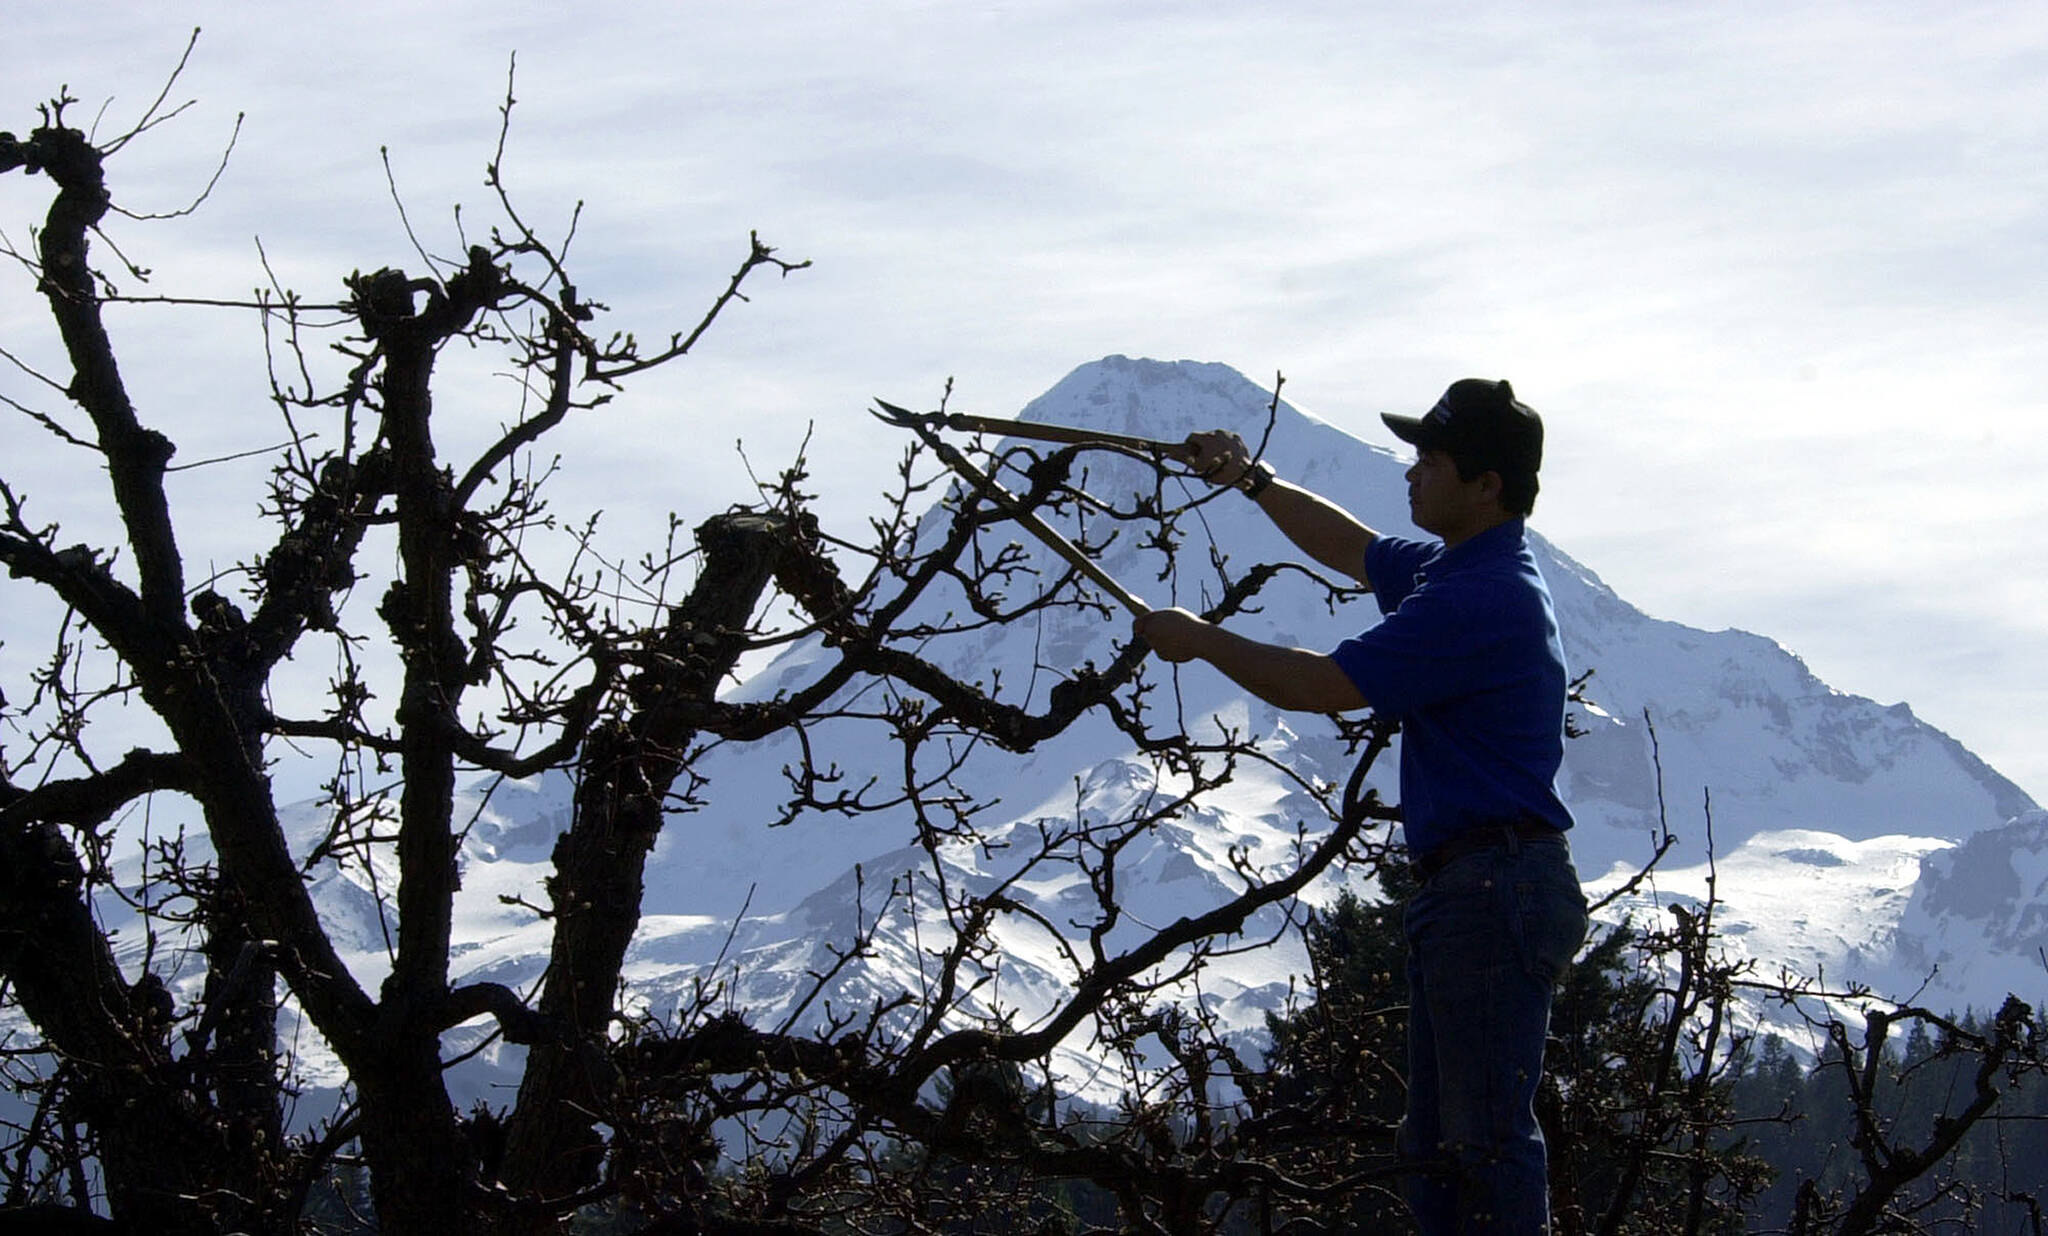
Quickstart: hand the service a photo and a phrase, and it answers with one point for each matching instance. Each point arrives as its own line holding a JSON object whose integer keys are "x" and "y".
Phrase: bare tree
{"x": 148, "y": 1101}
{"x": 1906, "y": 1113}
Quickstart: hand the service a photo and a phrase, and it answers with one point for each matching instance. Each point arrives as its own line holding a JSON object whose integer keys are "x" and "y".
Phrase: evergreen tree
{"x": 1337, "y": 1064}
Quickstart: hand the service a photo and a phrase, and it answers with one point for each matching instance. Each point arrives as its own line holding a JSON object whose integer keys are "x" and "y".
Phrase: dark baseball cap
{"x": 1481, "y": 423}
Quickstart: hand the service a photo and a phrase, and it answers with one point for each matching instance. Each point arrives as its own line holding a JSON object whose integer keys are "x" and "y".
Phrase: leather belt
{"x": 1476, "y": 838}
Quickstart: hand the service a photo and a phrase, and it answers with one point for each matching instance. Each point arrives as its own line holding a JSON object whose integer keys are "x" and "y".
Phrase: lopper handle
{"x": 968, "y": 423}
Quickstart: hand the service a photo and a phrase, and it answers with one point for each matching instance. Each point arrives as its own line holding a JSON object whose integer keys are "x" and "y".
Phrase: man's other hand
{"x": 1175, "y": 634}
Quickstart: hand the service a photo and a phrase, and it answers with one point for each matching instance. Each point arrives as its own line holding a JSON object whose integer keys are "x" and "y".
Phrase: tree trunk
{"x": 422, "y": 1169}
{"x": 627, "y": 768}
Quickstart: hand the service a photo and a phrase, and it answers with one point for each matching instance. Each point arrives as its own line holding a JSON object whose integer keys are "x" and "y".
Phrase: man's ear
{"x": 1490, "y": 485}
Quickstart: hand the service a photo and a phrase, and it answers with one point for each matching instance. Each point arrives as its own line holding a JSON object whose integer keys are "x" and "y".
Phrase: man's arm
{"x": 1290, "y": 678}
{"x": 1318, "y": 527}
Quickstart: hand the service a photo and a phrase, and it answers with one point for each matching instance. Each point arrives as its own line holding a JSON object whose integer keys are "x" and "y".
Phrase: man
{"x": 1467, "y": 657}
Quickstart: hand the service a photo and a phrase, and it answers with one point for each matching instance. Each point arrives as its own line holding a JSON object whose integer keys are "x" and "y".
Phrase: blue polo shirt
{"x": 1468, "y": 659}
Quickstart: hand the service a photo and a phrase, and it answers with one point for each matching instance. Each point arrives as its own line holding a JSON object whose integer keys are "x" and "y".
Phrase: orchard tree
{"x": 141, "y": 1101}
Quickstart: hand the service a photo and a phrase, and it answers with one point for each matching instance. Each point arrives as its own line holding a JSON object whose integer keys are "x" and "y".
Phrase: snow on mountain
{"x": 1944, "y": 925}
{"x": 1812, "y": 904}
{"x": 1731, "y": 711}
{"x": 1849, "y": 835}
{"x": 1812, "y": 790}
{"x": 1976, "y": 926}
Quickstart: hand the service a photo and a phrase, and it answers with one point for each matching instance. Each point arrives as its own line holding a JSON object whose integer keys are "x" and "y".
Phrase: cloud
{"x": 1772, "y": 271}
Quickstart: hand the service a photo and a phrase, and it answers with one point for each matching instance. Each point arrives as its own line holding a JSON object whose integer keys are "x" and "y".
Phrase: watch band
{"x": 1255, "y": 479}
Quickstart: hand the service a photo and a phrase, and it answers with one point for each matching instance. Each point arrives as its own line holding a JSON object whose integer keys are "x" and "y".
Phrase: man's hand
{"x": 1175, "y": 634}
{"x": 1218, "y": 456}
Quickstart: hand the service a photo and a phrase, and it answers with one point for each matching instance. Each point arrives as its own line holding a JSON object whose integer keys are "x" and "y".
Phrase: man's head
{"x": 1484, "y": 428}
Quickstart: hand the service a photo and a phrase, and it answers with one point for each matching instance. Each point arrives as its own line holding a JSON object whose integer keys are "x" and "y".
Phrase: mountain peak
{"x": 1810, "y": 788}
{"x": 1157, "y": 399}
{"x": 1737, "y": 714}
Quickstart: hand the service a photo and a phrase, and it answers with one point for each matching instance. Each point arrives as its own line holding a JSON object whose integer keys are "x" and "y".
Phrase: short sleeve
{"x": 1418, "y": 655}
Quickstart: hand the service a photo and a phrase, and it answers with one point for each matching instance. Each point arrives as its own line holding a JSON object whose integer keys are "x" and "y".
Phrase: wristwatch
{"x": 1255, "y": 479}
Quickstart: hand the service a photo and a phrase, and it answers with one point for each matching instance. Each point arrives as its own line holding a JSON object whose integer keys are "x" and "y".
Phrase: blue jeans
{"x": 1488, "y": 938}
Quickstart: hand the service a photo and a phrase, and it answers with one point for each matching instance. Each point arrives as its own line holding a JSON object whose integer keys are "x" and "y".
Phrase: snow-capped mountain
{"x": 1846, "y": 835}
{"x": 1810, "y": 790}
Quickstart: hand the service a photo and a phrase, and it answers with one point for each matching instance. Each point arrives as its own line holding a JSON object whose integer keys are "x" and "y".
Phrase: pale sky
{"x": 1772, "y": 272}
